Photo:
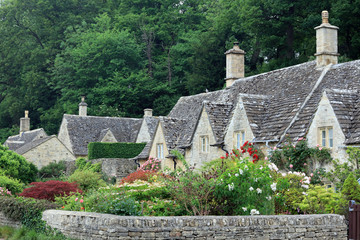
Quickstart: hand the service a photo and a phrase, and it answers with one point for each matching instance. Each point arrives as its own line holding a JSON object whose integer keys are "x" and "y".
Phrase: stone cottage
{"x": 319, "y": 100}
{"x": 36, "y": 146}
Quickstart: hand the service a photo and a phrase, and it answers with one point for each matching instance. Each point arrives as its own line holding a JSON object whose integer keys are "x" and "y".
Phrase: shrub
{"x": 299, "y": 157}
{"x": 16, "y": 166}
{"x": 26, "y": 210}
{"x": 112, "y": 201}
{"x": 145, "y": 172}
{"x": 5, "y": 192}
{"x": 351, "y": 188}
{"x": 13, "y": 185}
{"x": 82, "y": 164}
{"x": 319, "y": 200}
{"x": 53, "y": 170}
{"x": 339, "y": 173}
{"x": 49, "y": 190}
{"x": 87, "y": 179}
{"x": 114, "y": 150}
{"x": 162, "y": 207}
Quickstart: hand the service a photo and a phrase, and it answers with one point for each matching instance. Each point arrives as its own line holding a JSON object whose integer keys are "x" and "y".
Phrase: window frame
{"x": 160, "y": 151}
{"x": 326, "y": 137}
{"x": 239, "y": 138}
{"x": 204, "y": 144}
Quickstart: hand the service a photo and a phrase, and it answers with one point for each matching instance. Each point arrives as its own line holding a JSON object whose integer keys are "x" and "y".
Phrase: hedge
{"x": 114, "y": 150}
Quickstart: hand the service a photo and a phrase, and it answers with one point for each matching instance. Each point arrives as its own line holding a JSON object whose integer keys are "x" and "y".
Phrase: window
{"x": 204, "y": 143}
{"x": 239, "y": 139}
{"x": 160, "y": 151}
{"x": 326, "y": 137}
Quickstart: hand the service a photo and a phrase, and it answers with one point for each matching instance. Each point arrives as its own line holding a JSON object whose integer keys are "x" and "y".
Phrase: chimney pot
{"x": 148, "y": 112}
{"x": 82, "y": 107}
{"x": 235, "y": 67}
{"x": 25, "y": 122}
{"x": 326, "y": 42}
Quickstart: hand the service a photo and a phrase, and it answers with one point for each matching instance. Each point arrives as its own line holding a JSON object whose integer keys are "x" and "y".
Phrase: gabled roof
{"x": 85, "y": 129}
{"x": 287, "y": 101}
{"x": 151, "y": 123}
{"x": 219, "y": 117}
{"x": 27, "y": 147}
{"x": 173, "y": 129}
{"x": 17, "y": 141}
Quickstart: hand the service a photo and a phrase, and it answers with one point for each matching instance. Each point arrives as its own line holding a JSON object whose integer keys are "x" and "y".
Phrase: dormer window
{"x": 326, "y": 137}
{"x": 160, "y": 151}
{"x": 204, "y": 143}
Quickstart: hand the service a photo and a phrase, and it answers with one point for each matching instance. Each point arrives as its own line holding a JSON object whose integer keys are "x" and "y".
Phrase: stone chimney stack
{"x": 326, "y": 42}
{"x": 148, "y": 112}
{"x": 235, "y": 64}
{"x": 25, "y": 122}
{"x": 82, "y": 107}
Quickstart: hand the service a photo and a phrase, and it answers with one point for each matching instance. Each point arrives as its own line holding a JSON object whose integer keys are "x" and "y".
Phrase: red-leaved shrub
{"x": 138, "y": 175}
{"x": 50, "y": 189}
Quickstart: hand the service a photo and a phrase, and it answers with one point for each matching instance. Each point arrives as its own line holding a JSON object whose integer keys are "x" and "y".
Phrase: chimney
{"x": 326, "y": 42}
{"x": 148, "y": 112}
{"x": 235, "y": 59}
{"x": 82, "y": 107}
{"x": 25, "y": 122}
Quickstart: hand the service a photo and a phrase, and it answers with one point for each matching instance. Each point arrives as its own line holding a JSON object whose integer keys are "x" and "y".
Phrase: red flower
{"x": 255, "y": 150}
{"x": 82, "y": 208}
{"x": 256, "y": 156}
{"x": 222, "y": 157}
{"x": 246, "y": 143}
{"x": 227, "y": 154}
{"x": 243, "y": 151}
{"x": 63, "y": 207}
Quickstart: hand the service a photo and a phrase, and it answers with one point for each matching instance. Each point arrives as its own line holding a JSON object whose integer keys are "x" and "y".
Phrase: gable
{"x": 107, "y": 136}
{"x": 143, "y": 135}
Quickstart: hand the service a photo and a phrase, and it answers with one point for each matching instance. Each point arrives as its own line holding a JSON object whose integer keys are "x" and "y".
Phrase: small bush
{"x": 13, "y": 185}
{"x": 26, "y": 210}
{"x": 82, "y": 164}
{"x": 53, "y": 170}
{"x": 50, "y": 189}
{"x": 351, "y": 188}
{"x": 114, "y": 150}
{"x": 138, "y": 175}
{"x": 87, "y": 179}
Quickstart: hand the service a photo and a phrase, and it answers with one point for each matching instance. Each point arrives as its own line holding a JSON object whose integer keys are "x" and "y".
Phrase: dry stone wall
{"x": 4, "y": 221}
{"x": 117, "y": 167}
{"x": 83, "y": 225}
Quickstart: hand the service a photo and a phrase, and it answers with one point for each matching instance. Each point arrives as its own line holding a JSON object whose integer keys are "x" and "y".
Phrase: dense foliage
{"x": 98, "y": 150}
{"x": 16, "y": 166}
{"x": 129, "y": 55}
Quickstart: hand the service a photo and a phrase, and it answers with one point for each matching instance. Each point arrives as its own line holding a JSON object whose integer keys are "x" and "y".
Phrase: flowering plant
{"x": 4, "y": 192}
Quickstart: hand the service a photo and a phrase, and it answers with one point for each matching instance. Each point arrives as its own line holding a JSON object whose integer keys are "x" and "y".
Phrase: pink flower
{"x": 274, "y": 148}
{"x": 266, "y": 158}
{"x": 305, "y": 164}
{"x": 311, "y": 174}
{"x": 320, "y": 148}
{"x": 317, "y": 145}
{"x": 300, "y": 139}
{"x": 76, "y": 199}
{"x": 291, "y": 166}
{"x": 81, "y": 200}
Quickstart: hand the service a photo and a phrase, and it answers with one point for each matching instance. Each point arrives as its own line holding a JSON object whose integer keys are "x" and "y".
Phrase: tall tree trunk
{"x": 148, "y": 37}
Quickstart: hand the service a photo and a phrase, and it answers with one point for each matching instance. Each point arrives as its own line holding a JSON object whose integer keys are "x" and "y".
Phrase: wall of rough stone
{"x": 50, "y": 151}
{"x": 159, "y": 138}
{"x": 4, "y": 221}
{"x": 117, "y": 167}
{"x": 83, "y": 225}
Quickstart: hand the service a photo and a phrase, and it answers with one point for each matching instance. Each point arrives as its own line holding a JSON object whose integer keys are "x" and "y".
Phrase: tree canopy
{"x": 129, "y": 55}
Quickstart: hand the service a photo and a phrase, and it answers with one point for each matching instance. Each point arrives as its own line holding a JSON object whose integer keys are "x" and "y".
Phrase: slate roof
{"x": 85, "y": 129}
{"x": 280, "y": 103}
{"x": 17, "y": 141}
{"x": 27, "y": 147}
{"x": 219, "y": 116}
{"x": 151, "y": 123}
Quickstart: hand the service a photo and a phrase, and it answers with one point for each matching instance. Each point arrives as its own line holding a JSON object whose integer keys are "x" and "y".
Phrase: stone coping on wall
{"x": 86, "y": 225}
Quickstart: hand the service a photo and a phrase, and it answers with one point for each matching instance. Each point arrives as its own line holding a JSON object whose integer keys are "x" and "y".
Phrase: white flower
{"x": 241, "y": 171}
{"x": 254, "y": 212}
{"x": 246, "y": 167}
{"x": 244, "y": 208}
{"x": 256, "y": 179}
{"x": 236, "y": 175}
{"x": 261, "y": 167}
{"x": 268, "y": 198}
{"x": 251, "y": 188}
{"x": 305, "y": 186}
{"x": 231, "y": 186}
{"x": 259, "y": 190}
{"x": 283, "y": 174}
{"x": 273, "y": 167}
{"x": 229, "y": 174}
{"x": 273, "y": 186}
{"x": 304, "y": 193}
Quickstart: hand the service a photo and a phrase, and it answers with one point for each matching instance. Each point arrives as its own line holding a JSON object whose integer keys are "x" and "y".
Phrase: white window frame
{"x": 326, "y": 137}
{"x": 160, "y": 151}
{"x": 239, "y": 138}
{"x": 204, "y": 144}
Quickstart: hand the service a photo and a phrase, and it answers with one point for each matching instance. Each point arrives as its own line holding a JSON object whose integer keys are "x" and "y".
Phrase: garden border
{"x": 86, "y": 225}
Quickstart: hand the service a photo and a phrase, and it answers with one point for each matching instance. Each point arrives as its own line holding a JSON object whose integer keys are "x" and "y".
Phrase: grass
{"x": 23, "y": 233}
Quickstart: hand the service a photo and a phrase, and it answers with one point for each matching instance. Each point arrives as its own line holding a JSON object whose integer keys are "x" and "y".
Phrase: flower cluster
{"x": 250, "y": 148}
{"x": 4, "y": 192}
{"x": 152, "y": 164}
{"x": 254, "y": 212}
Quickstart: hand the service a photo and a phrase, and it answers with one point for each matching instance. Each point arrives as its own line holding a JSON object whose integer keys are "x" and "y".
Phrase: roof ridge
{"x": 325, "y": 70}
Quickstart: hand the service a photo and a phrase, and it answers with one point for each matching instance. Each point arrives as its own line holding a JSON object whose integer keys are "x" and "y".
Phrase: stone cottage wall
{"x": 117, "y": 167}
{"x": 4, "y": 221}
{"x": 85, "y": 225}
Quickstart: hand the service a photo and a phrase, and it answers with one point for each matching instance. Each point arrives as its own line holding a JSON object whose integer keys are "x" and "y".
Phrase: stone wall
{"x": 84, "y": 225}
{"x": 4, "y": 221}
{"x": 117, "y": 167}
